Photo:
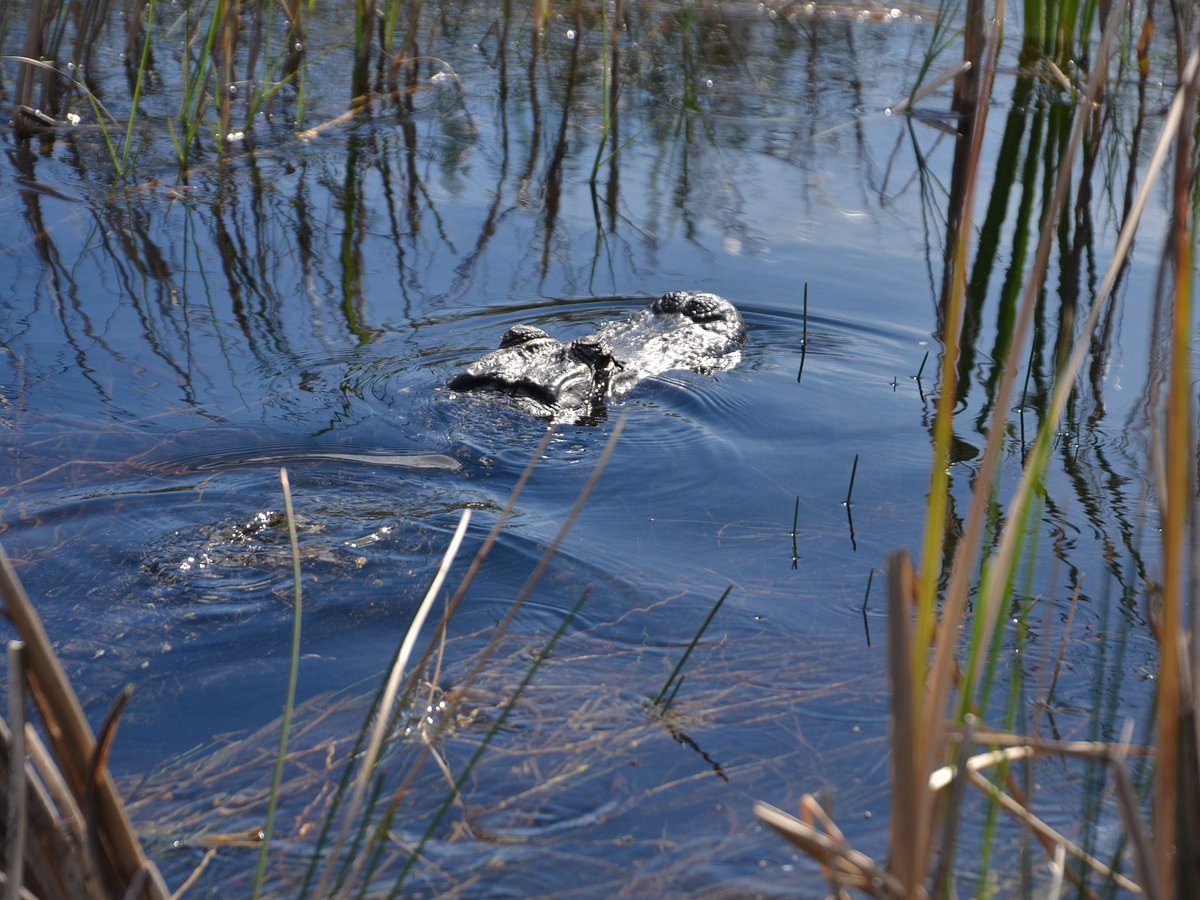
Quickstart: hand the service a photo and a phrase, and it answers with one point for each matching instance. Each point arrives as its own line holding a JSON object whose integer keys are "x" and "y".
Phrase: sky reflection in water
{"x": 165, "y": 344}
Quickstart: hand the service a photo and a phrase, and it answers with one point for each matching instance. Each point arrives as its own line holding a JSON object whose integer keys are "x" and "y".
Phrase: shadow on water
{"x": 233, "y": 243}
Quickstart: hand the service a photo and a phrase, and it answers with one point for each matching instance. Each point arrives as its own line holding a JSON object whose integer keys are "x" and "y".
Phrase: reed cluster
{"x": 207, "y": 74}
{"x": 952, "y": 615}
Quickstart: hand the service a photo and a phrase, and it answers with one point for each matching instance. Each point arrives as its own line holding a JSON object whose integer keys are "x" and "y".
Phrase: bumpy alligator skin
{"x": 681, "y": 330}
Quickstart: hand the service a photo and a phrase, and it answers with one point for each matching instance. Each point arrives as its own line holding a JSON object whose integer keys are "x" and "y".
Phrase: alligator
{"x": 569, "y": 382}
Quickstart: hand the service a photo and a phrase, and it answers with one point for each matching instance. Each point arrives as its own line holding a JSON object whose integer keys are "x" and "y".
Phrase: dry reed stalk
{"x": 76, "y": 753}
{"x": 17, "y": 820}
{"x": 1042, "y": 830}
{"x": 463, "y": 687}
{"x": 1177, "y": 506}
{"x": 362, "y": 865}
{"x": 835, "y": 855}
{"x": 384, "y": 713}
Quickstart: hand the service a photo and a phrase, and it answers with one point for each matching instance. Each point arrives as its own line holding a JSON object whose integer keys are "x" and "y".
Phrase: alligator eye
{"x": 703, "y": 307}
{"x": 521, "y": 334}
{"x": 671, "y": 301}
{"x": 699, "y": 306}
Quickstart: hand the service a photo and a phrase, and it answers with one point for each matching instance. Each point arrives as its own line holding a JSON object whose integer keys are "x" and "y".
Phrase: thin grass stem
{"x": 393, "y": 681}
{"x": 850, "y": 489}
{"x": 289, "y": 703}
{"x": 143, "y": 61}
{"x": 505, "y": 712}
{"x": 695, "y": 640}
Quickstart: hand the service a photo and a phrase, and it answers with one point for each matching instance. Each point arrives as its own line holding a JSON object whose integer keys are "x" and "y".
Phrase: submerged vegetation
{"x": 968, "y": 710}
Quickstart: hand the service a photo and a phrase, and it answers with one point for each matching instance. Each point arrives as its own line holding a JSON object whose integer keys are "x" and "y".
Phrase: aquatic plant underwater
{"x": 957, "y": 614}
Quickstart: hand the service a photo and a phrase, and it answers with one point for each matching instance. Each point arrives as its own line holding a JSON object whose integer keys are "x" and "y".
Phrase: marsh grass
{"x": 947, "y": 619}
{"x": 289, "y": 703}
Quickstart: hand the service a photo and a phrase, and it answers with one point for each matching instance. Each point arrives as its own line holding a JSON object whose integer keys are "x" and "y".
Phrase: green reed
{"x": 675, "y": 680}
{"x": 289, "y": 703}
{"x": 140, "y": 79}
{"x": 941, "y": 685}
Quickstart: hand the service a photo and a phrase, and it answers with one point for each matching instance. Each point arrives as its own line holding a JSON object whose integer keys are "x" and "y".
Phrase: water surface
{"x": 166, "y": 346}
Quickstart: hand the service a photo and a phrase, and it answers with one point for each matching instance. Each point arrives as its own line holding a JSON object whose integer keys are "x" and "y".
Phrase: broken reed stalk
{"x": 850, "y": 489}
{"x": 804, "y": 336}
{"x": 795, "y": 525}
{"x": 921, "y": 368}
{"x": 121, "y": 860}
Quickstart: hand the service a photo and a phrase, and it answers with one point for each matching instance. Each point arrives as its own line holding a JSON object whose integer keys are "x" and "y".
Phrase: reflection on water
{"x": 167, "y": 343}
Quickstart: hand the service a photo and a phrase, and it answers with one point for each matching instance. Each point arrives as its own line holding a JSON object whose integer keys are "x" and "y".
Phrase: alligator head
{"x": 681, "y": 330}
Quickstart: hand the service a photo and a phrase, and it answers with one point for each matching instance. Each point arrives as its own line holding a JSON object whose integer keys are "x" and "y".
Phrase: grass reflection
{"x": 249, "y": 213}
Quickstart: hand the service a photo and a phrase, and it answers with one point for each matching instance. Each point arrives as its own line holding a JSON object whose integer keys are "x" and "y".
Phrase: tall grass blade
{"x": 290, "y": 700}
{"x": 505, "y": 712}
{"x": 143, "y": 61}
{"x": 998, "y": 572}
{"x": 383, "y": 715}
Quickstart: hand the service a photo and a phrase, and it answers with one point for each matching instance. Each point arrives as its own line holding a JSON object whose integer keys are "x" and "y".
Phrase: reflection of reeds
{"x": 963, "y": 592}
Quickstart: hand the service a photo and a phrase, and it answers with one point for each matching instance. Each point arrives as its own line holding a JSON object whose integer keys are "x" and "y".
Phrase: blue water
{"x": 164, "y": 348}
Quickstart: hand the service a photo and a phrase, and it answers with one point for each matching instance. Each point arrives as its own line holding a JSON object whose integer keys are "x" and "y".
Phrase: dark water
{"x": 165, "y": 348}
